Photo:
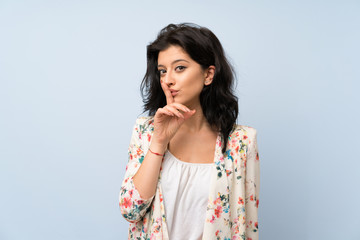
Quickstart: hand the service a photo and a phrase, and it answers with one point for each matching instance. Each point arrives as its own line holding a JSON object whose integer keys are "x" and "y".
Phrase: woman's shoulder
{"x": 241, "y": 134}
{"x": 145, "y": 120}
{"x": 243, "y": 131}
{"x": 144, "y": 124}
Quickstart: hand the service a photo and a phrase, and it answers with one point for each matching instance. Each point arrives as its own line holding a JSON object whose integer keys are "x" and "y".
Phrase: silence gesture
{"x": 167, "y": 120}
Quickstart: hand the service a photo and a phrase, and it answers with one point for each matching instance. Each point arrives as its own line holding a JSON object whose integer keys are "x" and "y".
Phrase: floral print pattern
{"x": 232, "y": 210}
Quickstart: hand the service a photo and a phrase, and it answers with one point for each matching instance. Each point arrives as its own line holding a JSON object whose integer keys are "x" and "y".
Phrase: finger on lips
{"x": 169, "y": 97}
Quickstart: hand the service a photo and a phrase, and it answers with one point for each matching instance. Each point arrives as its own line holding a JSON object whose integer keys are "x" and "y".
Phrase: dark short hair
{"x": 218, "y": 102}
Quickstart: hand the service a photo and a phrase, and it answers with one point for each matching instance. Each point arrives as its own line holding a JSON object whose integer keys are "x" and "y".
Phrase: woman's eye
{"x": 180, "y": 68}
{"x": 161, "y": 71}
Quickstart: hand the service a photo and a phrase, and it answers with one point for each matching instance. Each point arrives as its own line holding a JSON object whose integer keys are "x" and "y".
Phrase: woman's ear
{"x": 209, "y": 75}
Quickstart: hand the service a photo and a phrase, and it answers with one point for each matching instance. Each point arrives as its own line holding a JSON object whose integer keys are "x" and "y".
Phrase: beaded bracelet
{"x": 156, "y": 153}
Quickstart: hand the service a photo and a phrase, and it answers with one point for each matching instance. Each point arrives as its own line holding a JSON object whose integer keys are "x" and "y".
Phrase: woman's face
{"x": 182, "y": 74}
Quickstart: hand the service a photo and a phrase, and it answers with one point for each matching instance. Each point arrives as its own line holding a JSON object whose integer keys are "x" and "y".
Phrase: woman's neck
{"x": 196, "y": 123}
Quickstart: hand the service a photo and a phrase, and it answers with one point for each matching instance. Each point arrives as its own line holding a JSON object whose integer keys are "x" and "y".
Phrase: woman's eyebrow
{"x": 177, "y": 60}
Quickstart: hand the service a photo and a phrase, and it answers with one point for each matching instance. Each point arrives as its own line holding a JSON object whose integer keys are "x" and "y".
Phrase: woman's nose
{"x": 168, "y": 79}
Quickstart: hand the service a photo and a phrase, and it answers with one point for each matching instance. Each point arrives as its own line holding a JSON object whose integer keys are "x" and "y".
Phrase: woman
{"x": 193, "y": 173}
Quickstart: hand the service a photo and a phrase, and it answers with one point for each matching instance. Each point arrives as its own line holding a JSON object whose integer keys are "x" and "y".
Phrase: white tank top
{"x": 185, "y": 188}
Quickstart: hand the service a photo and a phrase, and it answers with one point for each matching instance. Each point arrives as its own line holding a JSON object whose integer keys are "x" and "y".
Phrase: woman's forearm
{"x": 146, "y": 178}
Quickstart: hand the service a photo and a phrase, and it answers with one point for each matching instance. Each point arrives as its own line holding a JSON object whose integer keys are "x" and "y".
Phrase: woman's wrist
{"x": 158, "y": 148}
{"x": 158, "y": 154}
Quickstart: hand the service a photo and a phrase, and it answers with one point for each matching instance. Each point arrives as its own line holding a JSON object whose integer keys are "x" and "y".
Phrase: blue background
{"x": 69, "y": 95}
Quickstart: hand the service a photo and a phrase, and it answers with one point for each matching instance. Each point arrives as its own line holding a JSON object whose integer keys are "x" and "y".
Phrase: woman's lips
{"x": 174, "y": 93}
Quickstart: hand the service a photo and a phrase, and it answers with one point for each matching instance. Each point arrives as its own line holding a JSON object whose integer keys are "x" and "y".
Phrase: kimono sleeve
{"x": 133, "y": 207}
{"x": 252, "y": 188}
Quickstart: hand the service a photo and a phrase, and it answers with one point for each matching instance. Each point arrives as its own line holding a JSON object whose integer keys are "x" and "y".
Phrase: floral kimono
{"x": 232, "y": 210}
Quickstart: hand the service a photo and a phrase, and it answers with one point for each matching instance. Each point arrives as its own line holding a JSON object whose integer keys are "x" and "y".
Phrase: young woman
{"x": 192, "y": 173}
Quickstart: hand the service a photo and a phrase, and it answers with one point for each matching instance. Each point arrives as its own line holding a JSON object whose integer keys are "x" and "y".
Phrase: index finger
{"x": 169, "y": 97}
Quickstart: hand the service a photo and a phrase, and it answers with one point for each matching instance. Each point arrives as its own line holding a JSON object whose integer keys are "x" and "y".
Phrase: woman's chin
{"x": 178, "y": 100}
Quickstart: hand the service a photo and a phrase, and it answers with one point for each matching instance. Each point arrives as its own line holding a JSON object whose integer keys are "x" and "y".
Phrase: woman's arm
{"x": 147, "y": 176}
{"x": 141, "y": 171}
{"x": 167, "y": 121}
{"x": 252, "y": 187}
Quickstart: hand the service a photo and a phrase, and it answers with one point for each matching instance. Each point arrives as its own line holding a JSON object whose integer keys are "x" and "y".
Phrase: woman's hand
{"x": 167, "y": 120}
